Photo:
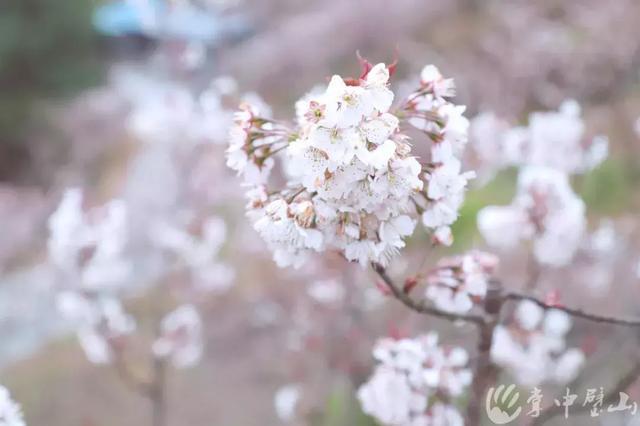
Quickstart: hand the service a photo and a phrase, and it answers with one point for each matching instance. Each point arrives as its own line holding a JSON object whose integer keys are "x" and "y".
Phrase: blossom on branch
{"x": 458, "y": 283}
{"x": 533, "y": 348}
{"x": 87, "y": 247}
{"x": 100, "y": 321}
{"x": 194, "y": 246}
{"x": 414, "y": 381}
{"x": 88, "y": 250}
{"x": 545, "y": 211}
{"x": 352, "y": 181}
{"x": 444, "y": 123}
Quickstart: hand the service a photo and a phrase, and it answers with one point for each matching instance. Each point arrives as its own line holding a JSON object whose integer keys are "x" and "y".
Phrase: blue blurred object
{"x": 154, "y": 19}
{"x": 121, "y": 18}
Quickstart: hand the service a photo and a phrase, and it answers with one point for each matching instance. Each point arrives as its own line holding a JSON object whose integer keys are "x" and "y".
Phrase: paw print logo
{"x": 500, "y": 402}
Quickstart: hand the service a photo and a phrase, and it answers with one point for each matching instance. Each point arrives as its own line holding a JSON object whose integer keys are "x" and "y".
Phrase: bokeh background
{"x": 74, "y": 72}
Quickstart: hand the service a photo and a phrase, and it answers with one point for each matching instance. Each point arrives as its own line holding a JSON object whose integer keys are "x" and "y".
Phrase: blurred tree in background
{"x": 46, "y": 51}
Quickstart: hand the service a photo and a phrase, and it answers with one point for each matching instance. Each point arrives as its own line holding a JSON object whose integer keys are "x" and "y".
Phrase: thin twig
{"x": 579, "y": 313}
{"x": 295, "y": 194}
{"x": 421, "y": 307}
{"x": 610, "y": 397}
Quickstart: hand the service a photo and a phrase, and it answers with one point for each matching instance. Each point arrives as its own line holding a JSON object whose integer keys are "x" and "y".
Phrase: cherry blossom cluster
{"x": 101, "y": 323}
{"x": 458, "y": 283}
{"x": 430, "y": 111}
{"x": 546, "y": 210}
{"x": 10, "y": 412}
{"x": 553, "y": 139}
{"x": 253, "y": 139}
{"x": 172, "y": 113}
{"x": 352, "y": 181}
{"x": 600, "y": 253}
{"x": 194, "y": 246}
{"x": 533, "y": 347}
{"x": 88, "y": 247}
{"x": 415, "y": 381}
{"x": 180, "y": 337}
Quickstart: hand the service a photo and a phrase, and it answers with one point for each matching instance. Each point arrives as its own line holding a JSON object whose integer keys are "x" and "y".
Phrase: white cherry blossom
{"x": 533, "y": 348}
{"x": 100, "y": 322}
{"x": 545, "y": 210}
{"x": 458, "y": 283}
{"x": 411, "y": 376}
{"x": 10, "y": 411}
{"x": 286, "y": 400}
{"x": 389, "y": 398}
{"x": 441, "y": 87}
{"x": 352, "y": 181}
{"x": 88, "y": 246}
{"x": 554, "y": 139}
{"x": 180, "y": 337}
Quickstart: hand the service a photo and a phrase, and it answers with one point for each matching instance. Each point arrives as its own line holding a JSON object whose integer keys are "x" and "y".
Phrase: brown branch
{"x": 126, "y": 375}
{"x": 157, "y": 393}
{"x": 578, "y": 313}
{"x": 484, "y": 370}
{"x": 154, "y": 389}
{"x": 610, "y": 397}
{"x": 424, "y": 308}
{"x": 534, "y": 272}
{"x": 421, "y": 307}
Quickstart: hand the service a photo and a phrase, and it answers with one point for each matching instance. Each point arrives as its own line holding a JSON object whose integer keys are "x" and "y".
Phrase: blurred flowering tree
{"x": 107, "y": 254}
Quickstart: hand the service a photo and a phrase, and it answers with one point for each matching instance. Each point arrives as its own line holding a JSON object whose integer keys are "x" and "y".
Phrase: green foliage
{"x": 608, "y": 189}
{"x": 47, "y": 49}
{"x": 342, "y": 408}
{"x": 498, "y": 191}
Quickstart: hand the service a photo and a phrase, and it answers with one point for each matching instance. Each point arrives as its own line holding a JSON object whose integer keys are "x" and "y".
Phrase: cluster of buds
{"x": 253, "y": 140}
